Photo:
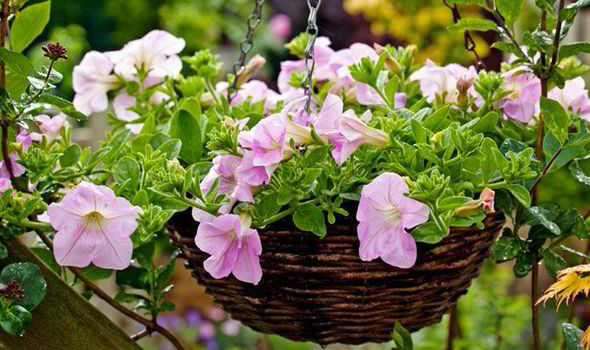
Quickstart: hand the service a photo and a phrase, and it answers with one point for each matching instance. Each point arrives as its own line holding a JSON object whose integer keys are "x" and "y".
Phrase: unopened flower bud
{"x": 487, "y": 198}
{"x": 250, "y": 69}
{"x": 463, "y": 86}
{"x": 485, "y": 202}
{"x": 391, "y": 62}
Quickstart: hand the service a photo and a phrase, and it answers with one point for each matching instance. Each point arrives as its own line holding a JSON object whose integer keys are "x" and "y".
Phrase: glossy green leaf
{"x": 309, "y": 217}
{"x": 29, "y": 24}
{"x": 29, "y": 276}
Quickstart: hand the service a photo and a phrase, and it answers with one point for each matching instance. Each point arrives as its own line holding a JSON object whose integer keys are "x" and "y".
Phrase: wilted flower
{"x": 55, "y": 51}
{"x": 384, "y": 213}
{"x": 93, "y": 226}
{"x": 92, "y": 79}
{"x": 234, "y": 248}
{"x": 573, "y": 96}
{"x": 523, "y": 103}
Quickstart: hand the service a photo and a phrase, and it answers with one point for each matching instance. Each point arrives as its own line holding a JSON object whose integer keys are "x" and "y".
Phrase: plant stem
{"x": 453, "y": 315}
{"x": 6, "y": 153}
{"x": 546, "y": 169}
{"x": 150, "y": 325}
{"x": 500, "y": 21}
{"x": 3, "y": 36}
{"x": 534, "y": 306}
{"x": 557, "y": 36}
{"x": 284, "y": 213}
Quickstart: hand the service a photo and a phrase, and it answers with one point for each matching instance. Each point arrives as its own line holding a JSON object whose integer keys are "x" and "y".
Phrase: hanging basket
{"x": 319, "y": 290}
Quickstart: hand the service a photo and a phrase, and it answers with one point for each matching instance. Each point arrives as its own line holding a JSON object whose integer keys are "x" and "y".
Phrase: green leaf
{"x": 308, "y": 217}
{"x": 568, "y": 50}
{"x": 428, "y": 233}
{"x": 48, "y": 258}
{"x": 29, "y": 276}
{"x": 65, "y": 106}
{"x": 508, "y": 47}
{"x": 17, "y": 63}
{"x": 510, "y": 9}
{"x": 573, "y": 336}
{"x": 578, "y": 173}
{"x": 553, "y": 262}
{"x": 480, "y": 25}
{"x": 127, "y": 169}
{"x": 487, "y": 123}
{"x": 15, "y": 320}
{"x": 507, "y": 247}
{"x": 171, "y": 148}
{"x": 556, "y": 118}
{"x": 18, "y": 69}
{"x": 96, "y": 273}
{"x": 524, "y": 263}
{"x": 544, "y": 217}
{"x": 29, "y": 24}
{"x": 3, "y": 251}
{"x": 268, "y": 205}
{"x": 521, "y": 193}
{"x": 187, "y": 128}
{"x": 402, "y": 337}
{"x": 435, "y": 120}
{"x": 71, "y": 156}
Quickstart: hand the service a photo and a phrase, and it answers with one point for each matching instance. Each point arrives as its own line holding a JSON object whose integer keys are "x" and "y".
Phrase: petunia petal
{"x": 401, "y": 250}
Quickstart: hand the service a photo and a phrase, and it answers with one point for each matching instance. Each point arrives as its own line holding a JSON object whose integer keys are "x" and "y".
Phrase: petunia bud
{"x": 250, "y": 69}
{"x": 463, "y": 86}
{"x": 391, "y": 62}
{"x": 485, "y": 202}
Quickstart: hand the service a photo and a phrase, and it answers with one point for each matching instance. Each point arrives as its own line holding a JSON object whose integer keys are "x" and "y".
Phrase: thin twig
{"x": 557, "y": 37}
{"x": 140, "y": 335}
{"x": 500, "y": 21}
{"x": 534, "y": 306}
{"x": 546, "y": 169}
{"x": 149, "y": 324}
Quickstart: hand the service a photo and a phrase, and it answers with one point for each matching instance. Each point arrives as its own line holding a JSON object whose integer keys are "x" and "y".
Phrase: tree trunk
{"x": 64, "y": 319}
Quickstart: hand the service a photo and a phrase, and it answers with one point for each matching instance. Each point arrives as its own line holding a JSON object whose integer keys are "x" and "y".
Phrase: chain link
{"x": 469, "y": 42}
{"x": 245, "y": 47}
{"x": 312, "y": 31}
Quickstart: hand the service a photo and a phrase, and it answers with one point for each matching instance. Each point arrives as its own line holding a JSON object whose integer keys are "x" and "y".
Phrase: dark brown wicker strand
{"x": 319, "y": 290}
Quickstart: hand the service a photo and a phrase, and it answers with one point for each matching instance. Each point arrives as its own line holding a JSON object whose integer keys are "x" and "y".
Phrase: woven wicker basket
{"x": 319, "y": 290}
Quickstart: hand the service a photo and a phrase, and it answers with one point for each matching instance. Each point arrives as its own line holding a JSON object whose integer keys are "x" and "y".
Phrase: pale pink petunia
{"x": 124, "y": 103}
{"x": 93, "y": 226}
{"x": 280, "y": 26}
{"x": 224, "y": 168}
{"x": 322, "y": 71}
{"x": 5, "y": 185}
{"x": 25, "y": 141}
{"x": 442, "y": 81}
{"x": 50, "y": 127}
{"x": 266, "y": 140}
{"x": 251, "y": 174}
{"x": 523, "y": 103}
{"x": 234, "y": 248}
{"x": 92, "y": 79}
{"x": 574, "y": 97}
{"x": 157, "y": 53}
{"x": 384, "y": 214}
{"x": 254, "y": 91}
{"x": 355, "y": 130}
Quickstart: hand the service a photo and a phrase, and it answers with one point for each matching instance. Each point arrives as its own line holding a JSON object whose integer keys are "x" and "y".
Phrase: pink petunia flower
{"x": 92, "y": 79}
{"x": 234, "y": 248}
{"x": 93, "y": 226}
{"x": 573, "y": 96}
{"x": 157, "y": 53}
{"x": 384, "y": 214}
{"x": 5, "y": 185}
{"x": 357, "y": 133}
{"x": 251, "y": 174}
{"x": 253, "y": 91}
{"x": 523, "y": 104}
{"x": 225, "y": 168}
{"x": 50, "y": 127}
{"x": 442, "y": 81}
{"x": 25, "y": 140}
{"x": 266, "y": 140}
{"x": 280, "y": 26}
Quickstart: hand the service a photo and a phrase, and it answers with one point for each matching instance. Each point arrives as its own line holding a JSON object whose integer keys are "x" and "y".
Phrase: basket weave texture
{"x": 319, "y": 290}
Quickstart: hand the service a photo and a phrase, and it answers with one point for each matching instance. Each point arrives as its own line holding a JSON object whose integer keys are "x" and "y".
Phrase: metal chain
{"x": 469, "y": 42}
{"x": 245, "y": 47}
{"x": 312, "y": 31}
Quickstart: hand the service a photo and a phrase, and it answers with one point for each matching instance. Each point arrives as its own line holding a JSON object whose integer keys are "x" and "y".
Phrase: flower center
{"x": 94, "y": 219}
{"x": 394, "y": 215}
